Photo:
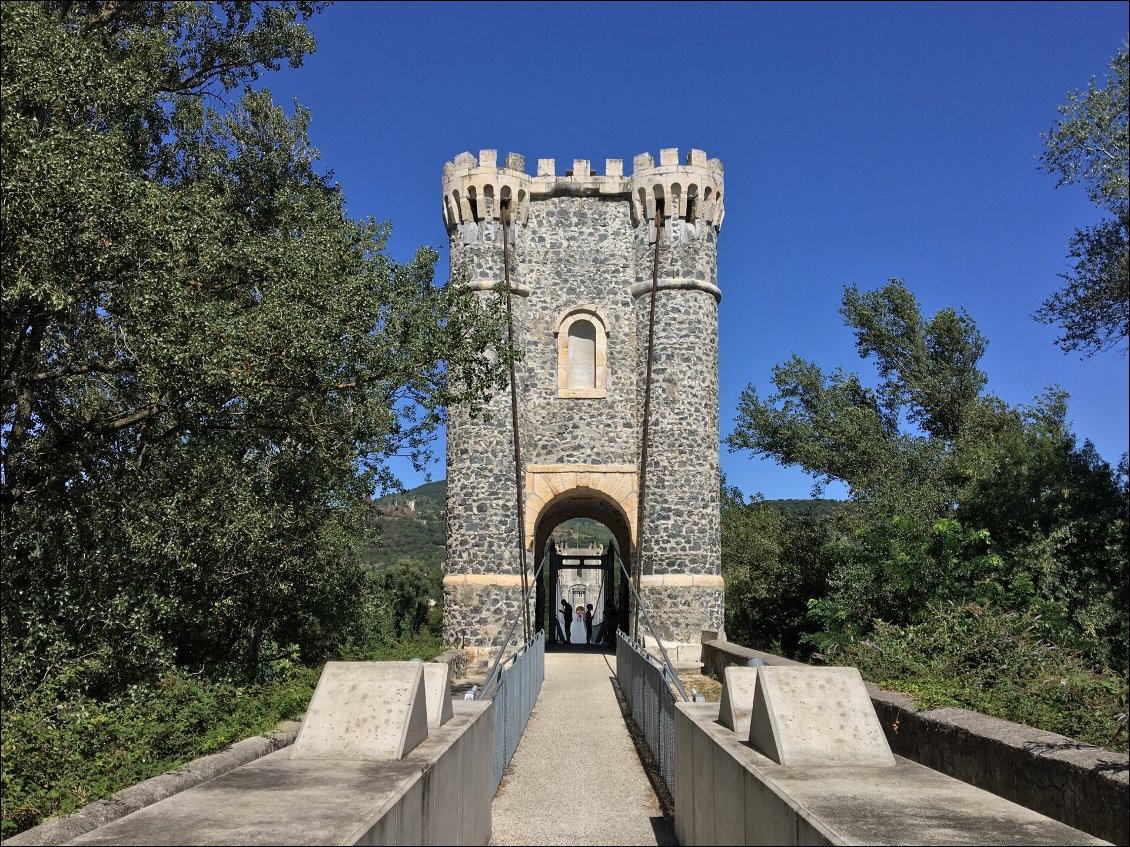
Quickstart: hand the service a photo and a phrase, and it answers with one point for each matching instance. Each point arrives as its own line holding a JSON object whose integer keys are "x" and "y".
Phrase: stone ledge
{"x": 507, "y": 580}
{"x": 682, "y": 580}
{"x": 517, "y": 289}
{"x": 639, "y": 289}
{"x": 580, "y": 469}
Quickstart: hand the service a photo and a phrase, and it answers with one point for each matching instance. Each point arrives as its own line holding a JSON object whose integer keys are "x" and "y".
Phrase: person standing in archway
{"x": 588, "y": 624}
{"x": 567, "y": 613}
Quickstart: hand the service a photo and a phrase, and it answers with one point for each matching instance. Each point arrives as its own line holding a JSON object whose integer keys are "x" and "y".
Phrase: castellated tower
{"x": 581, "y": 252}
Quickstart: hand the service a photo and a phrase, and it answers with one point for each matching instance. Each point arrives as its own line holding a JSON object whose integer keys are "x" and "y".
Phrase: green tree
{"x": 206, "y": 360}
{"x": 1089, "y": 145}
{"x": 836, "y": 428}
{"x": 959, "y": 497}
{"x": 773, "y": 565}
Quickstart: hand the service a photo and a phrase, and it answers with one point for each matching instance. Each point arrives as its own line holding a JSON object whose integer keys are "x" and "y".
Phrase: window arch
{"x": 582, "y": 354}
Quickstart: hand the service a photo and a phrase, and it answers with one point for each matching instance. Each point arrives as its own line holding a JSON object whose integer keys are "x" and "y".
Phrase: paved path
{"x": 576, "y": 778}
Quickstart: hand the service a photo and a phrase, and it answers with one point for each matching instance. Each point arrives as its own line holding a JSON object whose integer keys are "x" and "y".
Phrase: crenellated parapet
{"x": 691, "y": 191}
{"x": 476, "y": 189}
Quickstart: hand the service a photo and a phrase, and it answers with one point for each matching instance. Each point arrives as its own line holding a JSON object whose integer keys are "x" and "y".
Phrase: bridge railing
{"x": 646, "y": 685}
{"x": 514, "y": 691}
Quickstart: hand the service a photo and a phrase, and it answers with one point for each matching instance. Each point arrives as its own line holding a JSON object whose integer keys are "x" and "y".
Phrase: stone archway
{"x": 606, "y": 493}
{"x": 590, "y": 500}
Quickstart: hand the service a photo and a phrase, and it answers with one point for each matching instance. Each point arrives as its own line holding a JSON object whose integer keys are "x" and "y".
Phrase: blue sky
{"x": 860, "y": 142}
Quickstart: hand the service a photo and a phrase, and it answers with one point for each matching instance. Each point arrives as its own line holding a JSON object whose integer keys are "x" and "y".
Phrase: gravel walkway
{"x": 576, "y": 778}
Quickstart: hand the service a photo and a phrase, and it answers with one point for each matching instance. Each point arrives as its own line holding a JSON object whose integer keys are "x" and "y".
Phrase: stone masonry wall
{"x": 681, "y": 518}
{"x": 574, "y": 252}
{"x": 584, "y": 242}
{"x": 482, "y": 521}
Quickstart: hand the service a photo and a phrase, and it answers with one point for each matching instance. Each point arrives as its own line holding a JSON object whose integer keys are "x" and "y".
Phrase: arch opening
{"x": 578, "y": 538}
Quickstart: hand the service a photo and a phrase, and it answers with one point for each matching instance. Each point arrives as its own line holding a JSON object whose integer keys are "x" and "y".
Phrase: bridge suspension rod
{"x": 518, "y": 481}
{"x": 645, "y": 435}
{"x": 666, "y": 659}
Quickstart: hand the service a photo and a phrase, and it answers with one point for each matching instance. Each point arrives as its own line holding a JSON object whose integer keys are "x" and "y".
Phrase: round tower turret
{"x": 680, "y": 535}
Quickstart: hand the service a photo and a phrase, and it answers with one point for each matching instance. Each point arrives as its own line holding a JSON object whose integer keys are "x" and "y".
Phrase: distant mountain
{"x": 814, "y": 508}
{"x": 410, "y": 526}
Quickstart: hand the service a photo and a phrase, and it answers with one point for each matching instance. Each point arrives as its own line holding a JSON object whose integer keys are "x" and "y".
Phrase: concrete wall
{"x": 728, "y": 793}
{"x": 439, "y": 793}
{"x": 1083, "y": 786}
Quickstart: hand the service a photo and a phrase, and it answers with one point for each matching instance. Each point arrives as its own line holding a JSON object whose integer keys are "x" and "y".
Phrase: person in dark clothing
{"x": 567, "y": 613}
{"x": 610, "y": 624}
{"x": 588, "y": 624}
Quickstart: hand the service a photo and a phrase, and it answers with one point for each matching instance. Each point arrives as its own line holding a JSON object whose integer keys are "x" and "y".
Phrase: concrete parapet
{"x": 439, "y": 793}
{"x": 1084, "y": 786}
{"x": 1078, "y": 784}
{"x": 728, "y": 793}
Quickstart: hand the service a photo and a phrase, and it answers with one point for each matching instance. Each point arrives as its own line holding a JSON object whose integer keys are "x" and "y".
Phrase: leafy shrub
{"x": 58, "y": 755}
{"x": 981, "y": 657}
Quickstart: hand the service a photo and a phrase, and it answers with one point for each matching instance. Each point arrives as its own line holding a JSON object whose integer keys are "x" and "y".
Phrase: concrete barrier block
{"x": 807, "y": 717}
{"x": 729, "y": 799}
{"x": 702, "y": 771}
{"x": 739, "y": 687}
{"x": 684, "y": 777}
{"x": 437, "y": 691}
{"x": 364, "y": 711}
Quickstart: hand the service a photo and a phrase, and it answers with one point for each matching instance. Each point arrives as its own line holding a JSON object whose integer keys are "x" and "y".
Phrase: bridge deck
{"x": 576, "y": 778}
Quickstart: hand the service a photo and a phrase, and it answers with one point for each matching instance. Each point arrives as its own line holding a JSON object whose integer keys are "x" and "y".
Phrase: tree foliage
{"x": 959, "y": 497}
{"x": 772, "y": 562}
{"x": 1089, "y": 145}
{"x": 206, "y": 360}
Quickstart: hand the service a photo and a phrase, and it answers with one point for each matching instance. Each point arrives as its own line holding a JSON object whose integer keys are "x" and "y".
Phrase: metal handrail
{"x": 669, "y": 666}
{"x": 510, "y": 634}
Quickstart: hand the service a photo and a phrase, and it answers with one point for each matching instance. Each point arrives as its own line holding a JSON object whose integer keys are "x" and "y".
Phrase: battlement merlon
{"x": 475, "y": 189}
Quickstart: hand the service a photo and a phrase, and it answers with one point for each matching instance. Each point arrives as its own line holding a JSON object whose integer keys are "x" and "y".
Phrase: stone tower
{"x": 581, "y": 252}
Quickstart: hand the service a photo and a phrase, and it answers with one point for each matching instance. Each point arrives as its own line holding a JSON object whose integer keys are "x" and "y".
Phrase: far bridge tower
{"x": 581, "y": 250}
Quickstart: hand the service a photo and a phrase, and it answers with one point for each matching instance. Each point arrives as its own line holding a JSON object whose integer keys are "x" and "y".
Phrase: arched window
{"x": 582, "y": 354}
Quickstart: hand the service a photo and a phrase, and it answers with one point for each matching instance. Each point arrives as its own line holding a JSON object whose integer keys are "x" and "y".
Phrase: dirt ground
{"x": 709, "y": 688}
